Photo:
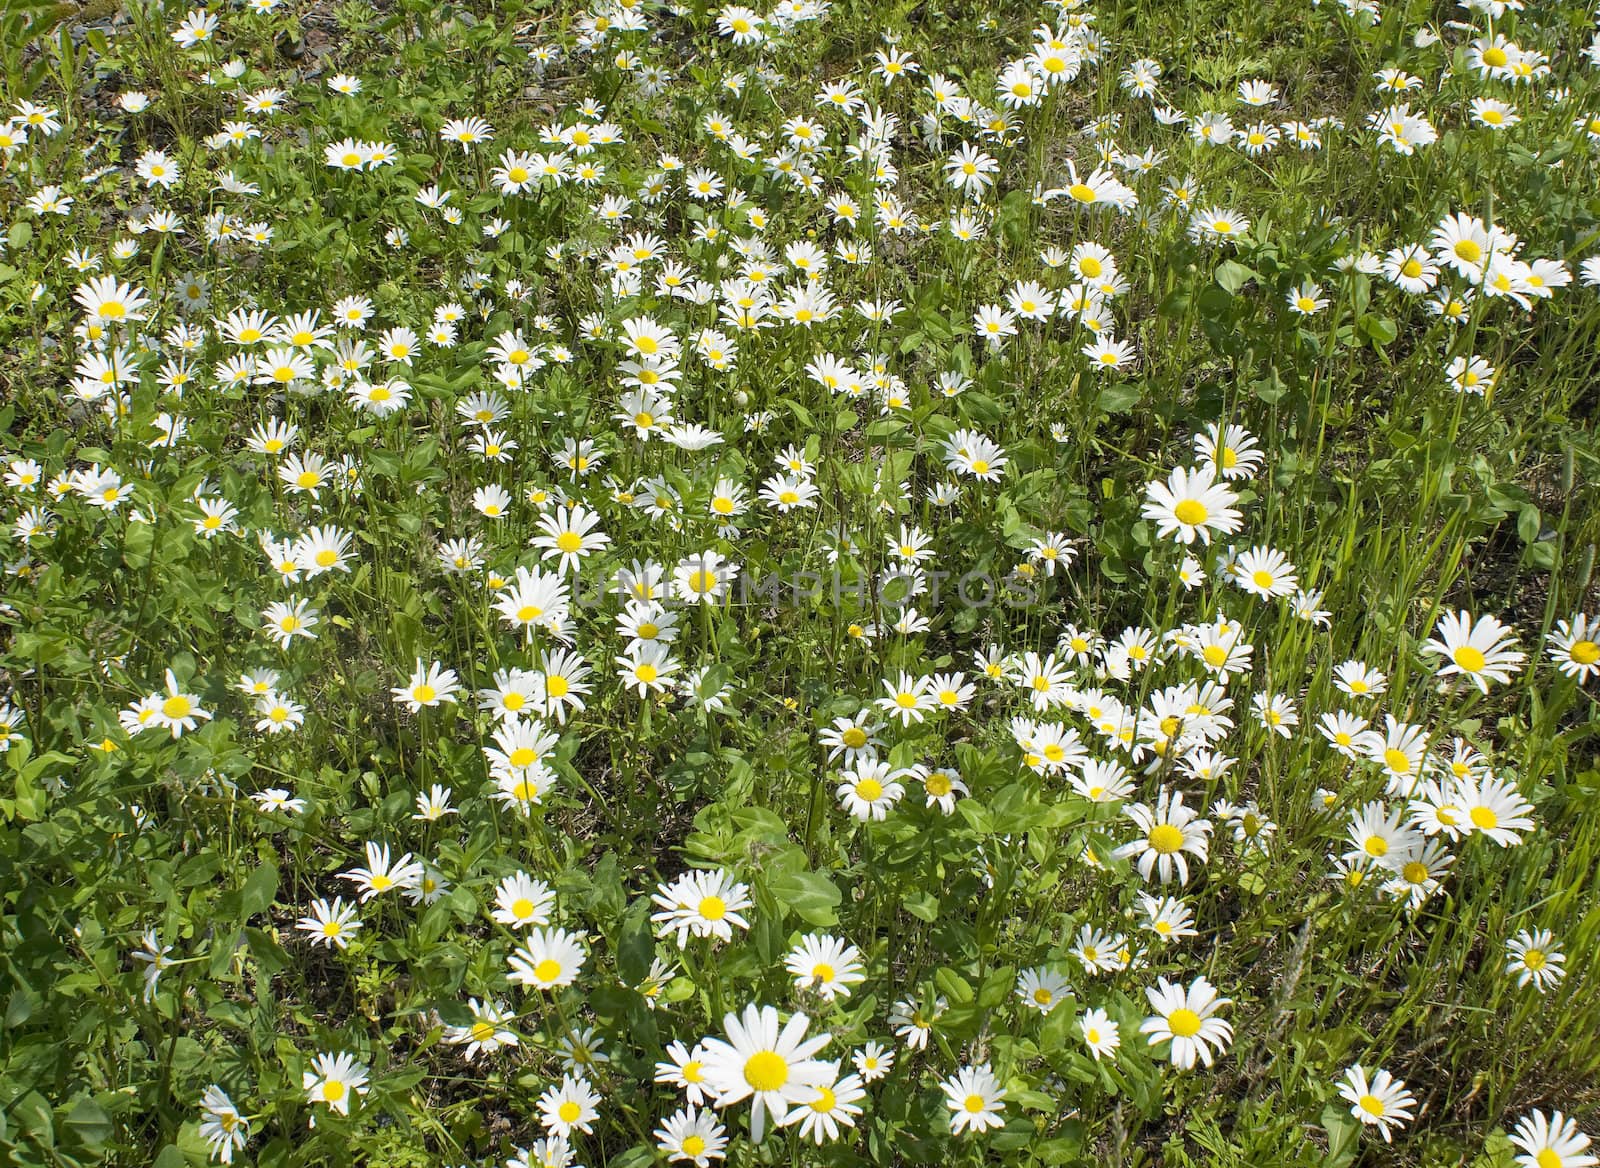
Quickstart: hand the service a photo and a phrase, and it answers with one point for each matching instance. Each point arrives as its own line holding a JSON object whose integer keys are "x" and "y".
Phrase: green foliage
{"x": 160, "y": 933}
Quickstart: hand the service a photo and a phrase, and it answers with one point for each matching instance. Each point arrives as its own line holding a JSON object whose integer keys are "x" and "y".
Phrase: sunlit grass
{"x": 895, "y": 583}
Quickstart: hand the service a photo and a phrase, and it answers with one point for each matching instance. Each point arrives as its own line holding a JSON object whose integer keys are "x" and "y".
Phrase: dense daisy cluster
{"x": 618, "y": 601}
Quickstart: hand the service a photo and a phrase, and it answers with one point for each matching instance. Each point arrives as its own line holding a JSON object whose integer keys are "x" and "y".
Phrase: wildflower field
{"x": 845, "y": 582}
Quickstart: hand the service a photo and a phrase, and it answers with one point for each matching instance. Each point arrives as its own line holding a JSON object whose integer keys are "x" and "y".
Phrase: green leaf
{"x": 1528, "y": 523}
{"x": 20, "y": 1008}
{"x": 136, "y": 547}
{"x": 636, "y": 946}
{"x": 258, "y": 891}
{"x": 922, "y": 905}
{"x": 1344, "y": 1135}
{"x": 1214, "y": 303}
{"x": 952, "y": 985}
{"x": 1380, "y": 328}
{"x": 801, "y": 414}
{"x": 89, "y": 1122}
{"x": 271, "y": 956}
{"x": 1119, "y": 397}
{"x": 1270, "y": 389}
{"x": 936, "y": 326}
{"x": 1064, "y": 1148}
{"x": 31, "y": 802}
{"x": 811, "y": 895}
{"x": 1232, "y": 275}
{"x": 638, "y": 1156}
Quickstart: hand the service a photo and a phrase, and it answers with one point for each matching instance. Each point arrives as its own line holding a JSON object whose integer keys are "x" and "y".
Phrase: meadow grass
{"x": 487, "y": 601}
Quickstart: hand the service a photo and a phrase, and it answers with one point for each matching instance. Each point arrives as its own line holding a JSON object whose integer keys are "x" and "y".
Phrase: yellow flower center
{"x": 424, "y": 693}
{"x": 766, "y": 1070}
{"x": 1184, "y": 1022}
{"x": 547, "y": 970}
{"x": 569, "y": 1111}
{"x": 1190, "y": 512}
{"x": 1166, "y": 839}
{"x": 869, "y": 790}
{"x": 1482, "y": 817}
{"x": 177, "y": 706}
{"x": 333, "y": 1090}
{"x": 1585, "y": 652}
{"x": 1469, "y": 659}
{"x": 713, "y": 908}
